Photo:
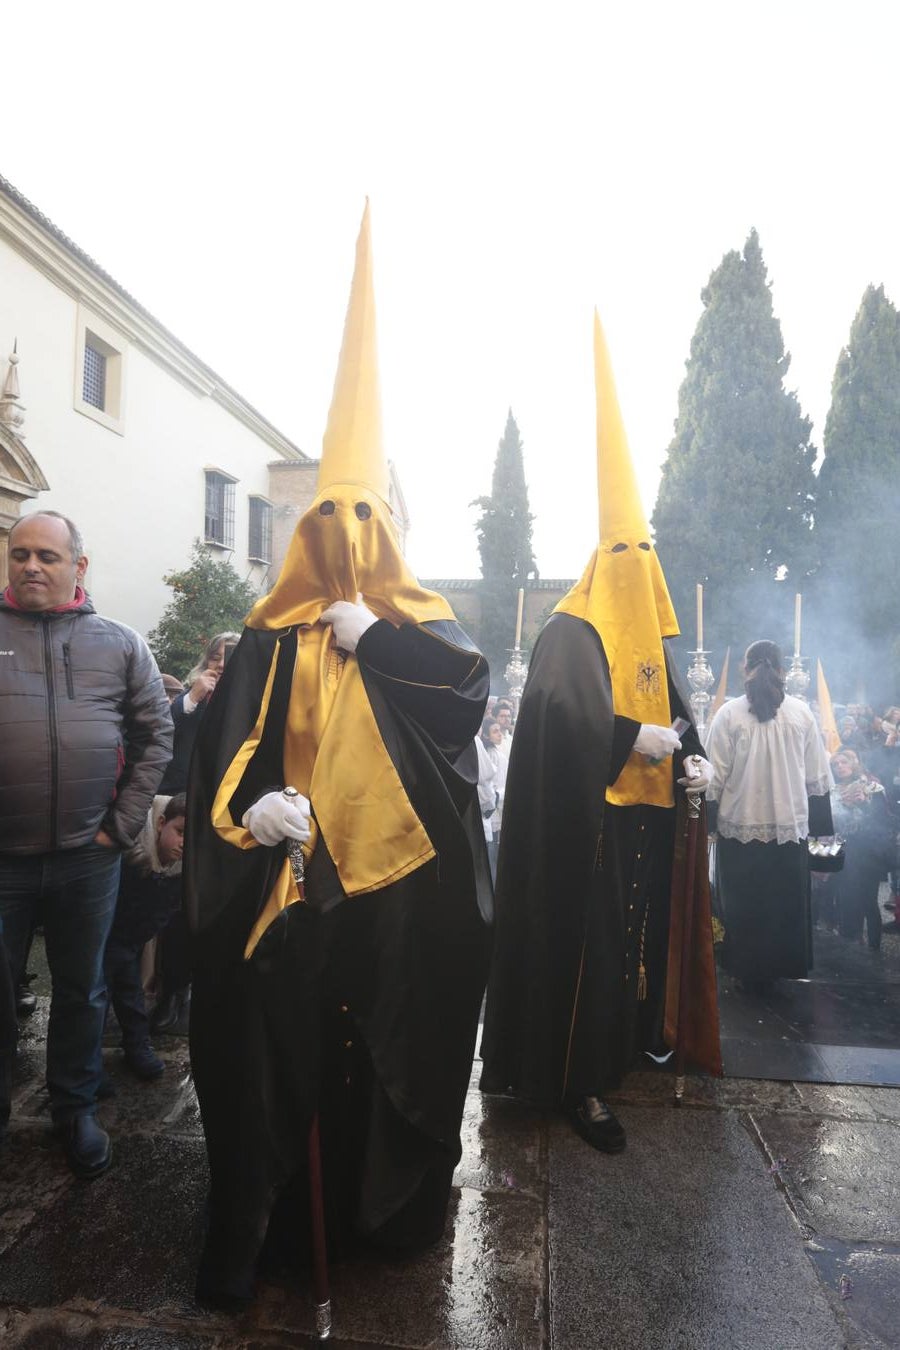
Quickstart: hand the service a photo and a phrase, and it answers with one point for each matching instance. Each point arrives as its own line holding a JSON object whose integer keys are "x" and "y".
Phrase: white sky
{"x": 524, "y": 162}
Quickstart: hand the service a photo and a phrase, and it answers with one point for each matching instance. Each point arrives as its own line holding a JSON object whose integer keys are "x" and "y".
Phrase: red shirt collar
{"x": 79, "y": 600}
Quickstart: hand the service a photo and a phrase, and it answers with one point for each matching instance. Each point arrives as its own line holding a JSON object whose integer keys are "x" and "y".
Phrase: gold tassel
{"x": 642, "y": 969}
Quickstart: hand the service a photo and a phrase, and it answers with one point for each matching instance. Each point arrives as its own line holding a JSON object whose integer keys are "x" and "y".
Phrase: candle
{"x": 797, "y": 603}
{"x": 699, "y": 617}
{"x": 519, "y": 617}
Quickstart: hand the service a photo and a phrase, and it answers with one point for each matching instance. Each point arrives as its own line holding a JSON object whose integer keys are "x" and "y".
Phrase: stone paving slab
{"x": 842, "y": 1177}
{"x": 480, "y": 1288}
{"x": 33, "y": 1179}
{"x": 656, "y": 1088}
{"x": 866, "y": 1279}
{"x": 167, "y": 1104}
{"x": 501, "y": 1142}
{"x": 682, "y": 1242}
{"x": 40, "y": 1334}
{"x": 128, "y": 1240}
{"x": 139, "y": 1230}
{"x": 850, "y": 1103}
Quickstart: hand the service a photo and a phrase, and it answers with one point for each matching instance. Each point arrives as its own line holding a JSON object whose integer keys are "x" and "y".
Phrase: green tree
{"x": 504, "y": 543}
{"x": 858, "y": 509}
{"x": 735, "y": 503}
{"x": 209, "y": 598}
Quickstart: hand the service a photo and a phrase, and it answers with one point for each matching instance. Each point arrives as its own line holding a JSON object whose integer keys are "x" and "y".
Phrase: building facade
{"x": 110, "y": 419}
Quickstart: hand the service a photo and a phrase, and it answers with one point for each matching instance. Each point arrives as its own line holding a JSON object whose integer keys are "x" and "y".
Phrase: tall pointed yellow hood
{"x": 353, "y": 446}
{"x": 623, "y": 593}
{"x": 345, "y": 544}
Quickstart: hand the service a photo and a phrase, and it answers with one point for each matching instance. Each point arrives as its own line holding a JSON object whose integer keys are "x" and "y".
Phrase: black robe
{"x": 365, "y": 1008}
{"x": 764, "y": 900}
{"x": 583, "y": 890}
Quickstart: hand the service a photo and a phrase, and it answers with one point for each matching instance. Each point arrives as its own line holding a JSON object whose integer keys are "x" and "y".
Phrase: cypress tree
{"x": 504, "y": 544}
{"x": 858, "y": 509}
{"x": 735, "y": 502}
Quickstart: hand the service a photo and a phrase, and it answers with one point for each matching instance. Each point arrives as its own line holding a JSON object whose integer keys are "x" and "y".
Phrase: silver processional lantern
{"x": 796, "y": 681}
{"x": 700, "y": 676}
{"x": 517, "y": 669}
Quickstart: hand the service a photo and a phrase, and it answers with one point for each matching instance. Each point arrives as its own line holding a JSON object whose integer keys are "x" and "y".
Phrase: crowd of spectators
{"x": 866, "y": 808}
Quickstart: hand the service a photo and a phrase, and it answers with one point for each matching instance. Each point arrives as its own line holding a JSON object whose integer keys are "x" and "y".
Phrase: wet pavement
{"x": 760, "y": 1214}
{"x": 842, "y": 1024}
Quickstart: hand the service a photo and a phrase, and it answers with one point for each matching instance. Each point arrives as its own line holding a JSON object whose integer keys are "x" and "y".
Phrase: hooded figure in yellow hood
{"x": 590, "y": 875}
{"x": 359, "y": 997}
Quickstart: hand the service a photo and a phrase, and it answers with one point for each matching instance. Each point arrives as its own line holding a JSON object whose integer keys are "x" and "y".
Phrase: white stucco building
{"x": 121, "y": 427}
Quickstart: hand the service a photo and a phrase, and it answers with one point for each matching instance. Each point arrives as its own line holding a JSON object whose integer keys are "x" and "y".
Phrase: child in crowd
{"x": 149, "y": 894}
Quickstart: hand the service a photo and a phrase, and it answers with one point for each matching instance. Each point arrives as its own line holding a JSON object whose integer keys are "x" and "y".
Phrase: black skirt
{"x": 765, "y": 899}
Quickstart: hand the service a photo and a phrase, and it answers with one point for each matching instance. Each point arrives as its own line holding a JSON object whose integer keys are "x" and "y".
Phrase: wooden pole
{"x": 314, "y": 1150}
{"x": 687, "y": 937}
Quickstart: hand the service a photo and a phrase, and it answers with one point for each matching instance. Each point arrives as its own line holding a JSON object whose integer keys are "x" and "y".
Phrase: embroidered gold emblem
{"x": 647, "y": 682}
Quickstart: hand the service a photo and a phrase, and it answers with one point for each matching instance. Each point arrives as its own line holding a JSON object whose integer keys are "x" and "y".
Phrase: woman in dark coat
{"x": 862, "y": 817}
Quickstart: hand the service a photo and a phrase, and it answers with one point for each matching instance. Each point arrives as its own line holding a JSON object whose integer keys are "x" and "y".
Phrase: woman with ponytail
{"x": 770, "y": 790}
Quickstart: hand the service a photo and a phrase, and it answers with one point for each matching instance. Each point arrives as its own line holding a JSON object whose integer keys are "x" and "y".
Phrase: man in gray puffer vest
{"x": 86, "y": 733}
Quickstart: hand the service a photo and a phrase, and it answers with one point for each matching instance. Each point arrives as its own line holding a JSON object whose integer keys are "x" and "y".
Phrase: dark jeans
{"x": 73, "y": 894}
{"x": 126, "y": 991}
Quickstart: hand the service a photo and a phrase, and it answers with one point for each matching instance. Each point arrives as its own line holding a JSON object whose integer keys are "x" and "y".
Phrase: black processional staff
{"x": 694, "y": 768}
{"x": 322, "y": 1293}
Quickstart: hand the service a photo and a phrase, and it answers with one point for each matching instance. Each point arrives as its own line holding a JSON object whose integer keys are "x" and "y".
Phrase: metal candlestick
{"x": 515, "y": 674}
{"x": 796, "y": 682}
{"x": 701, "y": 680}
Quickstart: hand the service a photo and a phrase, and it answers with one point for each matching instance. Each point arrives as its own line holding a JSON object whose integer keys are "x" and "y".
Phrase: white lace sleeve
{"x": 718, "y": 756}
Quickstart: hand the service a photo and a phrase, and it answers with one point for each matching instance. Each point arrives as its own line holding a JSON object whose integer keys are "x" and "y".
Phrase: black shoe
{"x": 171, "y": 1016}
{"x": 26, "y": 999}
{"x": 144, "y": 1062}
{"x": 86, "y": 1146}
{"x": 605, "y": 1133}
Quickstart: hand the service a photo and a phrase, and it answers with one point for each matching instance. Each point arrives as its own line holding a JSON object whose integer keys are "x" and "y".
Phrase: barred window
{"x": 260, "y": 545}
{"x": 94, "y": 383}
{"x": 219, "y": 522}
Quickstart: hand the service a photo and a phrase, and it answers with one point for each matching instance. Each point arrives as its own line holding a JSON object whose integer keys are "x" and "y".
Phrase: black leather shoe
{"x": 605, "y": 1133}
{"x": 86, "y": 1146}
{"x": 144, "y": 1062}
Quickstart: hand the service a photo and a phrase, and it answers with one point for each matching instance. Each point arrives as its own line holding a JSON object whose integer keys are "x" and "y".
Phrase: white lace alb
{"x": 764, "y": 772}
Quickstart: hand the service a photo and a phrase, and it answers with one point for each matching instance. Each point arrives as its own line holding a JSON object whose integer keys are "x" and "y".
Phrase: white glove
{"x": 656, "y": 742}
{"x": 274, "y": 818}
{"x": 698, "y": 773}
{"x": 349, "y": 622}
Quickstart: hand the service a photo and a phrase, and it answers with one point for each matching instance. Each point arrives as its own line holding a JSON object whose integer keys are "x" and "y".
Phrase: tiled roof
{"x": 46, "y": 224}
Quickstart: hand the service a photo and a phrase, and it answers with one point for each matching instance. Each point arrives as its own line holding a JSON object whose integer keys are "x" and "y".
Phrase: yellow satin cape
{"x": 333, "y": 750}
{"x": 623, "y": 596}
